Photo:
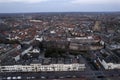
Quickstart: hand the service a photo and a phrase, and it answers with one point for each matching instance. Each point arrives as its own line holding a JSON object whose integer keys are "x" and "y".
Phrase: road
{"x": 55, "y": 75}
{"x": 3, "y": 56}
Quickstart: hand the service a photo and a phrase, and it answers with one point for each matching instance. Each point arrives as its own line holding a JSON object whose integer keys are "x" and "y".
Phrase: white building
{"x": 109, "y": 65}
{"x": 36, "y": 51}
{"x": 42, "y": 68}
{"x": 52, "y": 32}
{"x": 87, "y": 39}
{"x": 114, "y": 46}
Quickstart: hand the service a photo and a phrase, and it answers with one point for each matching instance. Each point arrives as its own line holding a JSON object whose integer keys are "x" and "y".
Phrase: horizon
{"x": 61, "y": 12}
{"x": 28, "y": 6}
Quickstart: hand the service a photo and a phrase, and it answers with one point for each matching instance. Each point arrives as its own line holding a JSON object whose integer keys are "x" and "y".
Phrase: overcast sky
{"x": 13, "y": 6}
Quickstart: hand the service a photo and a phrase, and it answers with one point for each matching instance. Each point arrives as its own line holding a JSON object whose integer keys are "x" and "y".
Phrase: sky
{"x": 16, "y": 6}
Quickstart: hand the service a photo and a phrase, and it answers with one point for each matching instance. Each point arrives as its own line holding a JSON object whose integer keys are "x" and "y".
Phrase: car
{"x": 14, "y": 78}
{"x": 28, "y": 77}
{"x": 61, "y": 77}
{"x": 8, "y": 78}
{"x": 74, "y": 76}
{"x": 43, "y": 77}
{"x": 19, "y": 77}
{"x": 33, "y": 77}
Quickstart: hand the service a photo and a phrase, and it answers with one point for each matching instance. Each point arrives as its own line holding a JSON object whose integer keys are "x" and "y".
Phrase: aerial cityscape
{"x": 72, "y": 45}
{"x": 59, "y": 43}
